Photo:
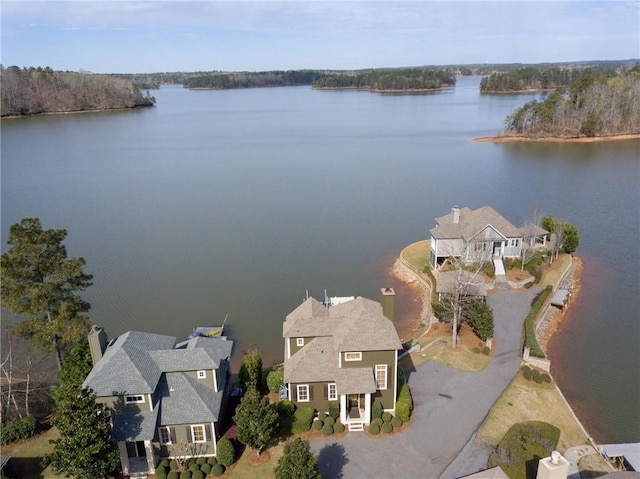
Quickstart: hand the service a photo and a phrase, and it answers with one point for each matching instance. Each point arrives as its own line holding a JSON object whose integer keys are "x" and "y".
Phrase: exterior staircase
{"x": 356, "y": 426}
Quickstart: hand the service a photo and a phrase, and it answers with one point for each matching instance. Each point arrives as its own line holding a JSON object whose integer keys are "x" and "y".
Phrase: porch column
{"x": 367, "y": 408}
{"x": 124, "y": 457}
{"x": 343, "y": 408}
{"x": 151, "y": 462}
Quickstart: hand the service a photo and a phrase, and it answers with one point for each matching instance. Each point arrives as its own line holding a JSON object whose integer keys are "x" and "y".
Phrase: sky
{"x": 130, "y": 36}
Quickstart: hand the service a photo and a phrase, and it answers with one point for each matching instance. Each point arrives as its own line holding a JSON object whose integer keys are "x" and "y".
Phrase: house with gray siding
{"x": 165, "y": 399}
{"x": 347, "y": 354}
{"x": 480, "y": 235}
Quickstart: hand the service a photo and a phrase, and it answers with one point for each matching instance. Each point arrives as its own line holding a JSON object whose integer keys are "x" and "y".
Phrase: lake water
{"x": 240, "y": 201}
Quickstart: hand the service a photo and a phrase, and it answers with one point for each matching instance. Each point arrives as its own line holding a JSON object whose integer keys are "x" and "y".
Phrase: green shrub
{"x": 18, "y": 429}
{"x": 476, "y": 350}
{"x": 275, "y": 379}
{"x": 374, "y": 429}
{"x": 526, "y": 373}
{"x": 318, "y": 424}
{"x": 161, "y": 470}
{"x": 338, "y": 427}
{"x": 189, "y": 461}
{"x": 402, "y": 411}
{"x": 404, "y": 404}
{"x": 201, "y": 460}
{"x": 286, "y": 410}
{"x": 525, "y": 368}
{"x": 217, "y": 470}
{"x": 386, "y": 417}
{"x": 521, "y": 447}
{"x": 377, "y": 420}
{"x": 173, "y": 475}
{"x": 327, "y": 430}
{"x": 322, "y": 416}
{"x": 387, "y": 428}
{"x": 486, "y": 351}
{"x": 396, "y": 421}
{"x": 161, "y": 475}
{"x": 329, "y": 421}
{"x": 206, "y": 468}
{"x": 226, "y": 453}
{"x": 185, "y": 475}
{"x": 376, "y": 409}
{"x": 334, "y": 410}
{"x": 545, "y": 378}
{"x": 537, "y": 377}
{"x": 173, "y": 464}
{"x": 197, "y": 474}
{"x": 194, "y": 467}
{"x": 302, "y": 420}
{"x": 164, "y": 463}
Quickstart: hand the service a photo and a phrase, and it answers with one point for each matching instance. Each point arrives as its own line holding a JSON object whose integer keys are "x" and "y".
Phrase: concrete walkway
{"x": 450, "y": 405}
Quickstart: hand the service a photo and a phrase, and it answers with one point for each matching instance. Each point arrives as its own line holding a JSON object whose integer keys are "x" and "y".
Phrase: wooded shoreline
{"x": 554, "y": 139}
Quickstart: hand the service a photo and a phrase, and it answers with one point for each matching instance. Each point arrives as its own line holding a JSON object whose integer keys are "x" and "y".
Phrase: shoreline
{"x": 75, "y": 112}
{"x": 555, "y": 139}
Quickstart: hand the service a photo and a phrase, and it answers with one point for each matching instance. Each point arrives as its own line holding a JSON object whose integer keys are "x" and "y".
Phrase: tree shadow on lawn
{"x": 331, "y": 460}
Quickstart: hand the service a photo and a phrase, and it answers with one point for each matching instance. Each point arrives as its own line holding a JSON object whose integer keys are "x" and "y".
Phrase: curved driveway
{"x": 450, "y": 405}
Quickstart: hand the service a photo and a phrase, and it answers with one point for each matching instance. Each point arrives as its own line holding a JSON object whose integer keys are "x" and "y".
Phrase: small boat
{"x": 209, "y": 331}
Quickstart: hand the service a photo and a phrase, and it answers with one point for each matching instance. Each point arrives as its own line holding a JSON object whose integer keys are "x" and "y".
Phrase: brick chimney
{"x": 97, "y": 342}
{"x": 388, "y": 303}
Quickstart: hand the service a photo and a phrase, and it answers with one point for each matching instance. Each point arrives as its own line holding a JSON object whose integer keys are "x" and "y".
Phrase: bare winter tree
{"x": 530, "y": 231}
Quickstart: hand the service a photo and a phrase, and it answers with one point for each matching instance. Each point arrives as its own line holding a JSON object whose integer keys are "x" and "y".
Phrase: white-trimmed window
{"x": 134, "y": 399}
{"x": 353, "y": 356}
{"x": 332, "y": 392}
{"x": 202, "y": 374}
{"x": 165, "y": 435}
{"x": 299, "y": 342}
{"x": 198, "y": 434}
{"x": 303, "y": 393}
{"x": 381, "y": 376}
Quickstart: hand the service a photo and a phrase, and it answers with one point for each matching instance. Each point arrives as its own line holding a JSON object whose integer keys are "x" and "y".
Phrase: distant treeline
{"x": 596, "y": 104}
{"x": 224, "y": 81}
{"x": 31, "y": 91}
{"x": 391, "y": 79}
{"x": 529, "y": 78}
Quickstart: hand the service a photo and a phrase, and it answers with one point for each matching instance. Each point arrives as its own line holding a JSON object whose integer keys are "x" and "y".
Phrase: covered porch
{"x": 355, "y": 387}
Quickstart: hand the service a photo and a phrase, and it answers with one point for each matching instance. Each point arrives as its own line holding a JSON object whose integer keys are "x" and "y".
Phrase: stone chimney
{"x": 554, "y": 467}
{"x": 455, "y": 215}
{"x": 389, "y": 303}
{"x": 97, "y": 342}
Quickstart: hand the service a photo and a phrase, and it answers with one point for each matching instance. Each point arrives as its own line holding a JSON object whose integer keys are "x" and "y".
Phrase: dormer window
{"x": 353, "y": 356}
{"x": 202, "y": 374}
{"x": 299, "y": 342}
{"x": 134, "y": 399}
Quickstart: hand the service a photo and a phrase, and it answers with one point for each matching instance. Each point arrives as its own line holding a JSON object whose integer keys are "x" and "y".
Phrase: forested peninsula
{"x": 31, "y": 91}
{"x": 225, "y": 81}
{"x": 391, "y": 80}
{"x": 528, "y": 79}
{"x": 595, "y": 105}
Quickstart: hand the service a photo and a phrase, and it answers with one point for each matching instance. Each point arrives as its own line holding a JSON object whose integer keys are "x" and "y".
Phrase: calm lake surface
{"x": 240, "y": 201}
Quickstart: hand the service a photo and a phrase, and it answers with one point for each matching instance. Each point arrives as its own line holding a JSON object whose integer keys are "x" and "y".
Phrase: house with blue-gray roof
{"x": 165, "y": 399}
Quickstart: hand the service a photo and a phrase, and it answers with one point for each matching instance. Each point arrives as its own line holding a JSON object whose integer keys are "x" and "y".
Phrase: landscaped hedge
{"x": 374, "y": 429}
{"x": 404, "y": 404}
{"x": 225, "y": 452}
{"x": 338, "y": 427}
{"x": 396, "y": 421}
{"x": 327, "y": 430}
{"x": 529, "y": 327}
{"x": 197, "y": 474}
{"x": 18, "y": 429}
{"x": 376, "y": 409}
{"x": 522, "y": 446}
{"x": 387, "y": 428}
{"x": 318, "y": 424}
{"x": 334, "y": 410}
{"x": 286, "y": 410}
{"x": 302, "y": 420}
{"x": 217, "y": 470}
{"x": 275, "y": 379}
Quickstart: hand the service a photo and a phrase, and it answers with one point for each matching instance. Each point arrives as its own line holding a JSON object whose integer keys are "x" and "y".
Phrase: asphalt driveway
{"x": 449, "y": 406}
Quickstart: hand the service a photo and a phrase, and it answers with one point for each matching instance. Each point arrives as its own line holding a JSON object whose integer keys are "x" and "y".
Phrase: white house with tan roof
{"x": 480, "y": 235}
{"x": 346, "y": 354}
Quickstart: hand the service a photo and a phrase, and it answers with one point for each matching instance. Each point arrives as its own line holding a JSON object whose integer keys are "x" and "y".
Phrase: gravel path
{"x": 450, "y": 405}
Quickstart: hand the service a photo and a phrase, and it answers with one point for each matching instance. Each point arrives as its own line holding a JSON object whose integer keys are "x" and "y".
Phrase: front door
{"x": 497, "y": 247}
{"x": 354, "y": 401}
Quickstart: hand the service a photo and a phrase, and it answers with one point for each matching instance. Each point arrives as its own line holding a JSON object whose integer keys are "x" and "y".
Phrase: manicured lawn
{"x": 552, "y": 274}
{"x": 27, "y": 455}
{"x": 417, "y": 254}
{"x": 250, "y": 467}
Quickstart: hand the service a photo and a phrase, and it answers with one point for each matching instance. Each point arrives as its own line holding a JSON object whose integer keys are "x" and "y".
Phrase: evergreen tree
{"x": 85, "y": 447}
{"x": 251, "y": 370}
{"x": 256, "y": 420}
{"x": 40, "y": 283}
{"x": 76, "y": 365}
{"x": 297, "y": 462}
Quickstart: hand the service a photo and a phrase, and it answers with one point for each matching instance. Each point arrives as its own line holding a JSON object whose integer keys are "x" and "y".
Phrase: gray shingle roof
{"x": 183, "y": 360}
{"x": 185, "y": 401}
{"x": 357, "y": 325}
{"x": 127, "y": 367}
{"x": 140, "y": 426}
{"x": 317, "y": 361}
{"x": 355, "y": 381}
{"x": 471, "y": 222}
{"x": 216, "y": 348}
